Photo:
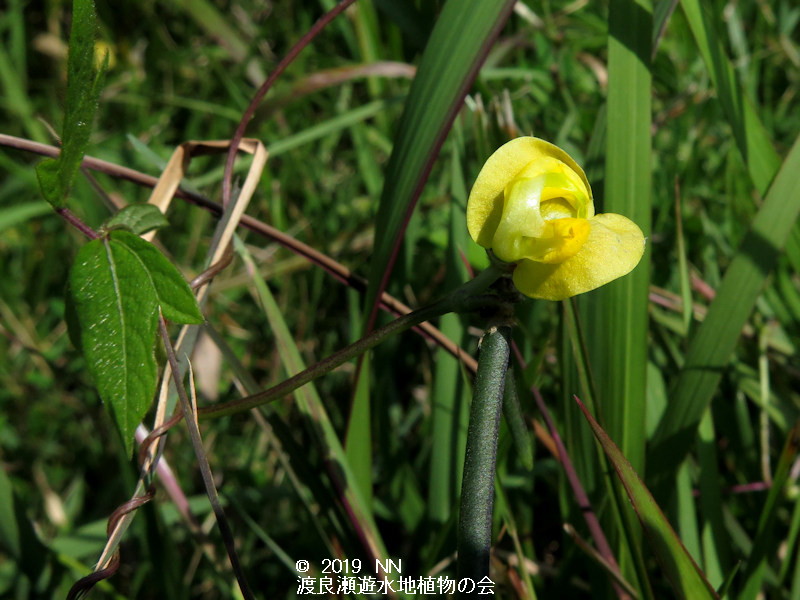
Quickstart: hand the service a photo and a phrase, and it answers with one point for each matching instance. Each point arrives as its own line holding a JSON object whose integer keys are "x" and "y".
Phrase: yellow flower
{"x": 532, "y": 205}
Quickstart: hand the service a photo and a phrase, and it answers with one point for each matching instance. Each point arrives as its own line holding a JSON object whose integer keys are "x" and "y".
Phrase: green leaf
{"x": 137, "y": 218}
{"x": 48, "y": 172}
{"x": 84, "y": 82}
{"x": 117, "y": 312}
{"x": 715, "y": 340}
{"x": 458, "y": 45}
{"x": 686, "y": 577}
{"x": 751, "y": 136}
{"x": 118, "y": 283}
{"x": 619, "y": 309}
{"x": 455, "y": 51}
{"x": 617, "y": 313}
{"x": 175, "y": 297}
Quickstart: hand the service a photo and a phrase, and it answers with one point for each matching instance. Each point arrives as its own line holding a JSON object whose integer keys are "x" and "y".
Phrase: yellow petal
{"x": 521, "y": 220}
{"x": 563, "y": 239}
{"x": 485, "y": 204}
{"x": 613, "y": 248}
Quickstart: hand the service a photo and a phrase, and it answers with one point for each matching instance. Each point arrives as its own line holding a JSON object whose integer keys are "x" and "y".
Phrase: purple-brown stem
{"x": 265, "y": 87}
{"x": 581, "y": 497}
{"x": 572, "y": 476}
{"x": 75, "y": 221}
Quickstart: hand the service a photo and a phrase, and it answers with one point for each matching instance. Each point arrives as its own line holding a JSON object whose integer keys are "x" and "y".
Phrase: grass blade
{"x": 310, "y": 404}
{"x": 619, "y": 310}
{"x": 617, "y": 313}
{"x": 456, "y": 49}
{"x": 754, "y": 144}
{"x": 716, "y": 337}
{"x": 679, "y": 567}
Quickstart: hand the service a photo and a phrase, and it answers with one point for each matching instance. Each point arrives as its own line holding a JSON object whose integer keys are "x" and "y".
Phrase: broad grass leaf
{"x": 458, "y": 45}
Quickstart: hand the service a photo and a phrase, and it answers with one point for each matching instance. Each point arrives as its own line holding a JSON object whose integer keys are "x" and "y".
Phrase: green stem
{"x": 477, "y": 490}
{"x": 463, "y": 299}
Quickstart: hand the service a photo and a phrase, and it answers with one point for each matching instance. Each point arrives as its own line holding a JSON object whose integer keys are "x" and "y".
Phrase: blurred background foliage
{"x": 186, "y": 70}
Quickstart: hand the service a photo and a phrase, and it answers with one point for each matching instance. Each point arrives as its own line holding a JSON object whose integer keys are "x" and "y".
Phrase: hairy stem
{"x": 477, "y": 490}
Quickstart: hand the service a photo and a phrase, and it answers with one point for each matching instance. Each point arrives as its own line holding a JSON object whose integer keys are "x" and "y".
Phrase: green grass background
{"x": 685, "y": 117}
